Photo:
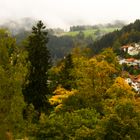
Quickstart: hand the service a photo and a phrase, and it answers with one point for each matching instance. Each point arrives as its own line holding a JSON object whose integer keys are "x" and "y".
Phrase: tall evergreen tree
{"x": 66, "y": 78}
{"x": 36, "y": 90}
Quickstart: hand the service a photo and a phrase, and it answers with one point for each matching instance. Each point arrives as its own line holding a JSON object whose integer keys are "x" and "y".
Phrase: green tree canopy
{"x": 36, "y": 90}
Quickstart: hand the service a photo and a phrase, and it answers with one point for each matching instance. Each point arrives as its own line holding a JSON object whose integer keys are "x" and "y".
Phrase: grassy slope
{"x": 91, "y": 32}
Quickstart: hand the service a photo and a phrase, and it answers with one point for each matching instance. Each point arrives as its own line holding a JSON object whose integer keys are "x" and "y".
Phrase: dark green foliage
{"x": 117, "y": 24}
{"x": 36, "y": 90}
{"x": 12, "y": 74}
{"x": 79, "y": 124}
{"x": 133, "y": 70}
{"x": 66, "y": 76}
{"x": 124, "y": 124}
{"x": 60, "y": 46}
{"x": 80, "y": 35}
{"x": 105, "y": 41}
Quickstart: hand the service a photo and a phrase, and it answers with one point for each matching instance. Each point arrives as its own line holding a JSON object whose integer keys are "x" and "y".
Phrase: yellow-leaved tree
{"x": 60, "y": 94}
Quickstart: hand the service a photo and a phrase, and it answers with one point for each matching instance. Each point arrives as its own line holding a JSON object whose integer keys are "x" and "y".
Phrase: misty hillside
{"x": 61, "y": 42}
{"x": 96, "y": 37}
{"x": 25, "y": 24}
{"x": 18, "y": 26}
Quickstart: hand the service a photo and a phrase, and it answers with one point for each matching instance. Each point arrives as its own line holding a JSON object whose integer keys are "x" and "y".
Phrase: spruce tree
{"x": 36, "y": 90}
{"x": 66, "y": 78}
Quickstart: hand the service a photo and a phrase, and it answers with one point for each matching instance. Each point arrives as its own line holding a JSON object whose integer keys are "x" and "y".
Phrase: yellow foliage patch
{"x": 60, "y": 95}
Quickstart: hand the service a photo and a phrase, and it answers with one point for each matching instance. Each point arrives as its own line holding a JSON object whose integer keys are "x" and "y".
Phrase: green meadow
{"x": 92, "y": 32}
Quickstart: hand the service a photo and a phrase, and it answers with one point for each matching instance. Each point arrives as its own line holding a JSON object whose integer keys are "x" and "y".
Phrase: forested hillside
{"x": 61, "y": 42}
{"x": 128, "y": 34}
{"x": 61, "y": 45}
{"x": 83, "y": 96}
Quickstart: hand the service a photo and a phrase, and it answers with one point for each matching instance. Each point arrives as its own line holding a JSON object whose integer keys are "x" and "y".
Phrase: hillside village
{"x": 131, "y": 49}
{"x": 131, "y": 62}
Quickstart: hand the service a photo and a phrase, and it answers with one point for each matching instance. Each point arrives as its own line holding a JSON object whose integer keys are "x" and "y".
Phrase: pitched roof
{"x": 136, "y": 78}
{"x": 130, "y": 59}
{"x": 126, "y": 46}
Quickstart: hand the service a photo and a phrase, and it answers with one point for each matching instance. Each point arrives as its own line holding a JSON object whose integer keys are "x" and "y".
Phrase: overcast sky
{"x": 63, "y": 13}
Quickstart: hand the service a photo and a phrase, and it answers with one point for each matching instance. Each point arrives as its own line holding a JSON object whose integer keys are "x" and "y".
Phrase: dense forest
{"x": 61, "y": 42}
{"x": 82, "y": 96}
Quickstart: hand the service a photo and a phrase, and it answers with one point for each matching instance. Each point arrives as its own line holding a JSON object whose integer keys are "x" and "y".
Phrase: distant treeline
{"x": 117, "y": 24}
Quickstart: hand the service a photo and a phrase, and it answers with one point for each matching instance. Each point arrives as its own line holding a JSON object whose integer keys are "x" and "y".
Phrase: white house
{"x": 122, "y": 61}
{"x": 134, "y": 82}
{"x": 129, "y": 62}
{"x": 132, "y": 49}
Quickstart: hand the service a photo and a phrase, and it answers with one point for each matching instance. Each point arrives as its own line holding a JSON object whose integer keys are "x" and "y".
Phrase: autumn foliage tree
{"x": 12, "y": 74}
